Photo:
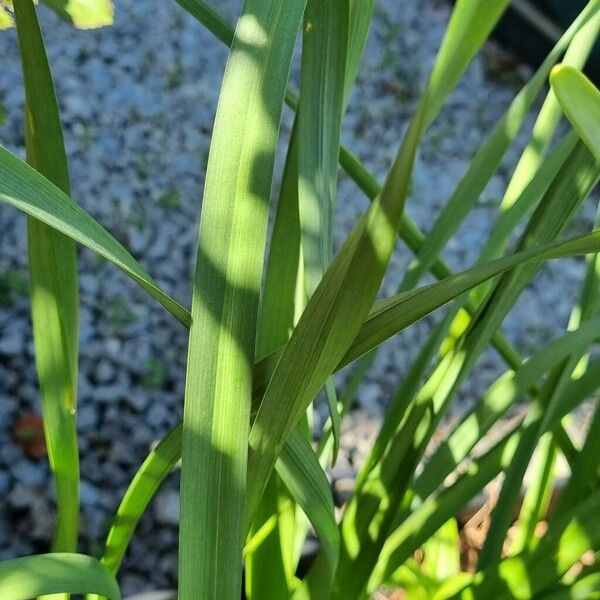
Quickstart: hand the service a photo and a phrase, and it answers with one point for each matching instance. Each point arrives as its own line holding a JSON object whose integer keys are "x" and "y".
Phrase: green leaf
{"x": 325, "y": 40}
{"x": 361, "y": 11}
{"x": 361, "y": 14}
{"x": 26, "y": 578}
{"x": 6, "y": 19}
{"x": 342, "y": 300}
{"x": 83, "y": 14}
{"x": 500, "y": 396}
{"x": 301, "y": 472}
{"x": 550, "y": 113}
{"x": 580, "y": 101}
{"x": 379, "y": 499}
{"x": 526, "y": 575}
{"x": 324, "y": 55}
{"x": 441, "y": 552}
{"x": 163, "y": 458}
{"x": 488, "y": 157}
{"x": 25, "y": 189}
{"x": 232, "y": 239}
{"x": 415, "y": 526}
{"x": 149, "y": 477}
{"x": 271, "y": 566}
{"x": 54, "y": 283}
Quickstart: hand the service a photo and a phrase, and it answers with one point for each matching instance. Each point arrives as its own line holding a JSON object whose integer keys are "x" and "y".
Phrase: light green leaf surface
{"x": 302, "y": 474}
{"x": 53, "y": 280}
{"x": 6, "y": 19}
{"x": 31, "y": 576}
{"x": 84, "y": 14}
{"x": 25, "y": 189}
{"x": 226, "y": 289}
{"x": 580, "y": 100}
{"x": 333, "y": 314}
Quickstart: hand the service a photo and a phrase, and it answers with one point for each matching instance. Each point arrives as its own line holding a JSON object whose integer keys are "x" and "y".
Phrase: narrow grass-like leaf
{"x": 580, "y": 101}
{"x": 415, "y": 527}
{"x": 374, "y": 508}
{"x": 325, "y": 42}
{"x": 84, "y": 14}
{"x": 154, "y": 470}
{"x": 232, "y": 239}
{"x": 550, "y": 113}
{"x": 45, "y": 574}
{"x": 584, "y": 472}
{"x": 300, "y": 470}
{"x": 408, "y": 231}
{"x": 53, "y": 279}
{"x": 339, "y": 305}
{"x": 163, "y": 458}
{"x": 488, "y": 157}
{"x": 25, "y": 189}
{"x": 499, "y": 397}
{"x": 270, "y": 567}
{"x": 526, "y": 575}
{"x": 210, "y": 18}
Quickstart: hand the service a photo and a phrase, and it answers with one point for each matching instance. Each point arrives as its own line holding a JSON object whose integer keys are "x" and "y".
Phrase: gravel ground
{"x": 137, "y": 117}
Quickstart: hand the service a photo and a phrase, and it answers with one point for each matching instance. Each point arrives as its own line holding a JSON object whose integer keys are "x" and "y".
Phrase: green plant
{"x": 264, "y": 341}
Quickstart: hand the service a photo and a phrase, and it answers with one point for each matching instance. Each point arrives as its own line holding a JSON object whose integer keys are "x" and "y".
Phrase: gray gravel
{"x": 138, "y": 101}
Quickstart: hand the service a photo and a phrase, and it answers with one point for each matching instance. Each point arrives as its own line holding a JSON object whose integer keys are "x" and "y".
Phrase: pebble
{"x": 89, "y": 494}
{"x": 12, "y": 344}
{"x": 166, "y": 507}
{"x": 29, "y": 473}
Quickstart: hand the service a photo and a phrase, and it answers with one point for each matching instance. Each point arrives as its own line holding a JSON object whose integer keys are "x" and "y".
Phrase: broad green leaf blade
{"x": 25, "y": 189}
{"x": 301, "y": 472}
{"x": 271, "y": 566}
{"x": 83, "y": 14}
{"x": 441, "y": 552}
{"x": 26, "y": 578}
{"x": 278, "y": 301}
{"x": 580, "y": 101}
{"x": 408, "y": 231}
{"x": 320, "y": 110}
{"x": 231, "y": 248}
{"x": 361, "y": 14}
{"x": 54, "y": 283}
{"x": 340, "y": 303}
{"x": 325, "y": 41}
